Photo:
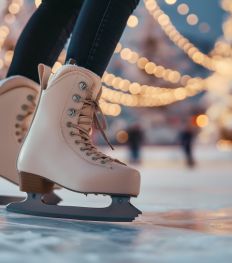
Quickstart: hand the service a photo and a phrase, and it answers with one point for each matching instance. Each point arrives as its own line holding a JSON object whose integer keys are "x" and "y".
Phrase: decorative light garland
{"x": 151, "y": 67}
{"x": 14, "y": 7}
{"x": 175, "y": 36}
{"x": 155, "y": 96}
{"x": 124, "y": 92}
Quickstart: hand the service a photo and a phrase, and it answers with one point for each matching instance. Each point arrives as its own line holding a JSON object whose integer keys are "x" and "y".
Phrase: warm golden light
{"x": 150, "y": 67}
{"x": 192, "y": 19}
{"x": 37, "y": 3}
{"x": 202, "y": 120}
{"x": 170, "y": 2}
{"x": 122, "y": 136}
{"x": 141, "y": 63}
{"x": 118, "y": 48}
{"x": 14, "y": 8}
{"x": 183, "y": 9}
{"x": 135, "y": 88}
{"x": 132, "y": 21}
{"x": 224, "y": 145}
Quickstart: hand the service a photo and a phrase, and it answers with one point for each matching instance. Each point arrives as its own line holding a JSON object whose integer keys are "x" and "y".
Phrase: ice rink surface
{"x": 187, "y": 217}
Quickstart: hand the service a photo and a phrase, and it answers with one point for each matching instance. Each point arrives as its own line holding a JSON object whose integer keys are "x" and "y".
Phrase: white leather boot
{"x": 58, "y": 148}
{"x": 18, "y": 99}
{"x": 17, "y": 104}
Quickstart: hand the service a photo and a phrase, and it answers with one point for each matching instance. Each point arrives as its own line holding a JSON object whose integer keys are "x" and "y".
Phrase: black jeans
{"x": 96, "y": 27}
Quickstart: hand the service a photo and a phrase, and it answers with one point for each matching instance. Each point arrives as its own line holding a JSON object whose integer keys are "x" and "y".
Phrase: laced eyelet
{"x": 103, "y": 162}
{"x": 17, "y": 125}
{"x": 76, "y": 142}
{"x": 20, "y": 117}
{"x": 94, "y": 158}
{"x": 88, "y": 154}
{"x": 30, "y": 97}
{"x": 82, "y": 149}
{"x": 71, "y": 112}
{"x": 69, "y": 124}
{"x": 24, "y": 107}
{"x": 72, "y": 133}
{"x": 82, "y": 85}
{"x": 76, "y": 97}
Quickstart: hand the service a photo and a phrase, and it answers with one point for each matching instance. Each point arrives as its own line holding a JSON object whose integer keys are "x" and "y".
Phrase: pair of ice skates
{"x": 58, "y": 149}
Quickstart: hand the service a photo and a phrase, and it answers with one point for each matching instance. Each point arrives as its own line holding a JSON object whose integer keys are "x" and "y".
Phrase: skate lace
{"x": 22, "y": 119}
{"x": 84, "y": 135}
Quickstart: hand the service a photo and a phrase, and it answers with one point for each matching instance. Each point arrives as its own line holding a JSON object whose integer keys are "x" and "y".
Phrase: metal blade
{"x": 6, "y": 199}
{"x": 120, "y": 210}
{"x": 49, "y": 198}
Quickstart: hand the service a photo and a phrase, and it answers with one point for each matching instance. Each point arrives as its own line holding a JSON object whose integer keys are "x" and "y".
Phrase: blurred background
{"x": 167, "y": 95}
{"x": 168, "y": 85}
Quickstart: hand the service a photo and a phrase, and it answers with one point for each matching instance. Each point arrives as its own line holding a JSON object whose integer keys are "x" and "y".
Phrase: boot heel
{"x": 32, "y": 183}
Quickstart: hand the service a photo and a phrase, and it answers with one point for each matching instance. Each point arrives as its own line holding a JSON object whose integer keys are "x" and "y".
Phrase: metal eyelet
{"x": 103, "y": 162}
{"x": 82, "y": 85}
{"x": 24, "y": 107}
{"x": 71, "y": 112}
{"x": 94, "y": 158}
{"x": 17, "y": 125}
{"x": 76, "y": 142}
{"x": 76, "y": 97}
{"x": 69, "y": 124}
{"x": 82, "y": 149}
{"x": 30, "y": 97}
{"x": 72, "y": 133}
{"x": 20, "y": 117}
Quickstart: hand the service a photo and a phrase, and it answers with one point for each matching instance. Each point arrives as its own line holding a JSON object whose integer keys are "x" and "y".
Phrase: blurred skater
{"x": 135, "y": 141}
{"x": 186, "y": 137}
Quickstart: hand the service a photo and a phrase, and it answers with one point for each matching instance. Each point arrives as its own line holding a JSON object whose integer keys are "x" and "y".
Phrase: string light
{"x": 150, "y": 67}
{"x": 170, "y": 2}
{"x": 202, "y": 120}
{"x": 120, "y": 91}
{"x": 13, "y": 8}
{"x": 191, "y": 50}
{"x": 38, "y": 3}
{"x": 144, "y": 95}
{"x": 192, "y": 19}
{"x": 132, "y": 21}
{"x": 227, "y": 5}
{"x": 183, "y": 9}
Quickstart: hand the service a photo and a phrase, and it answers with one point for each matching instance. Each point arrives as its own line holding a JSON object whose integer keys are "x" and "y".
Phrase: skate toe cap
{"x": 126, "y": 180}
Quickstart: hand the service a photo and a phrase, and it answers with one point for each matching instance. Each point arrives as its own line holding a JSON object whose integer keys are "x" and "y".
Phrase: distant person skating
{"x": 186, "y": 140}
{"x": 135, "y": 141}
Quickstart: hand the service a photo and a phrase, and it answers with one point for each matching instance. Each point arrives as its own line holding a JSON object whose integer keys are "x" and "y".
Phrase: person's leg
{"x": 44, "y": 36}
{"x": 97, "y": 32}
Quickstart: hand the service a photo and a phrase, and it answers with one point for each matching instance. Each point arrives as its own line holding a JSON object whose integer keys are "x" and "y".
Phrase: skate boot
{"x": 18, "y": 98}
{"x": 59, "y": 150}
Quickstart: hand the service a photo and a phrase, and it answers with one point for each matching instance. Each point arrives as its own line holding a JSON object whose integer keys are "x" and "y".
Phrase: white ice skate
{"x": 18, "y": 98}
{"x": 59, "y": 150}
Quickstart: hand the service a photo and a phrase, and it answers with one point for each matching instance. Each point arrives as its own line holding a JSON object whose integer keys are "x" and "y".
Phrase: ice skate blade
{"x": 7, "y": 199}
{"x": 50, "y": 198}
{"x": 120, "y": 210}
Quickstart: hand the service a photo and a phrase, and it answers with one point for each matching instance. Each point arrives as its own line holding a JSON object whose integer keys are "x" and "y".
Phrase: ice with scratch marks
{"x": 187, "y": 218}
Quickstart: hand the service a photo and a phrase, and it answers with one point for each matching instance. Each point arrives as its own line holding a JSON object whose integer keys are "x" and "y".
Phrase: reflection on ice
{"x": 212, "y": 222}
